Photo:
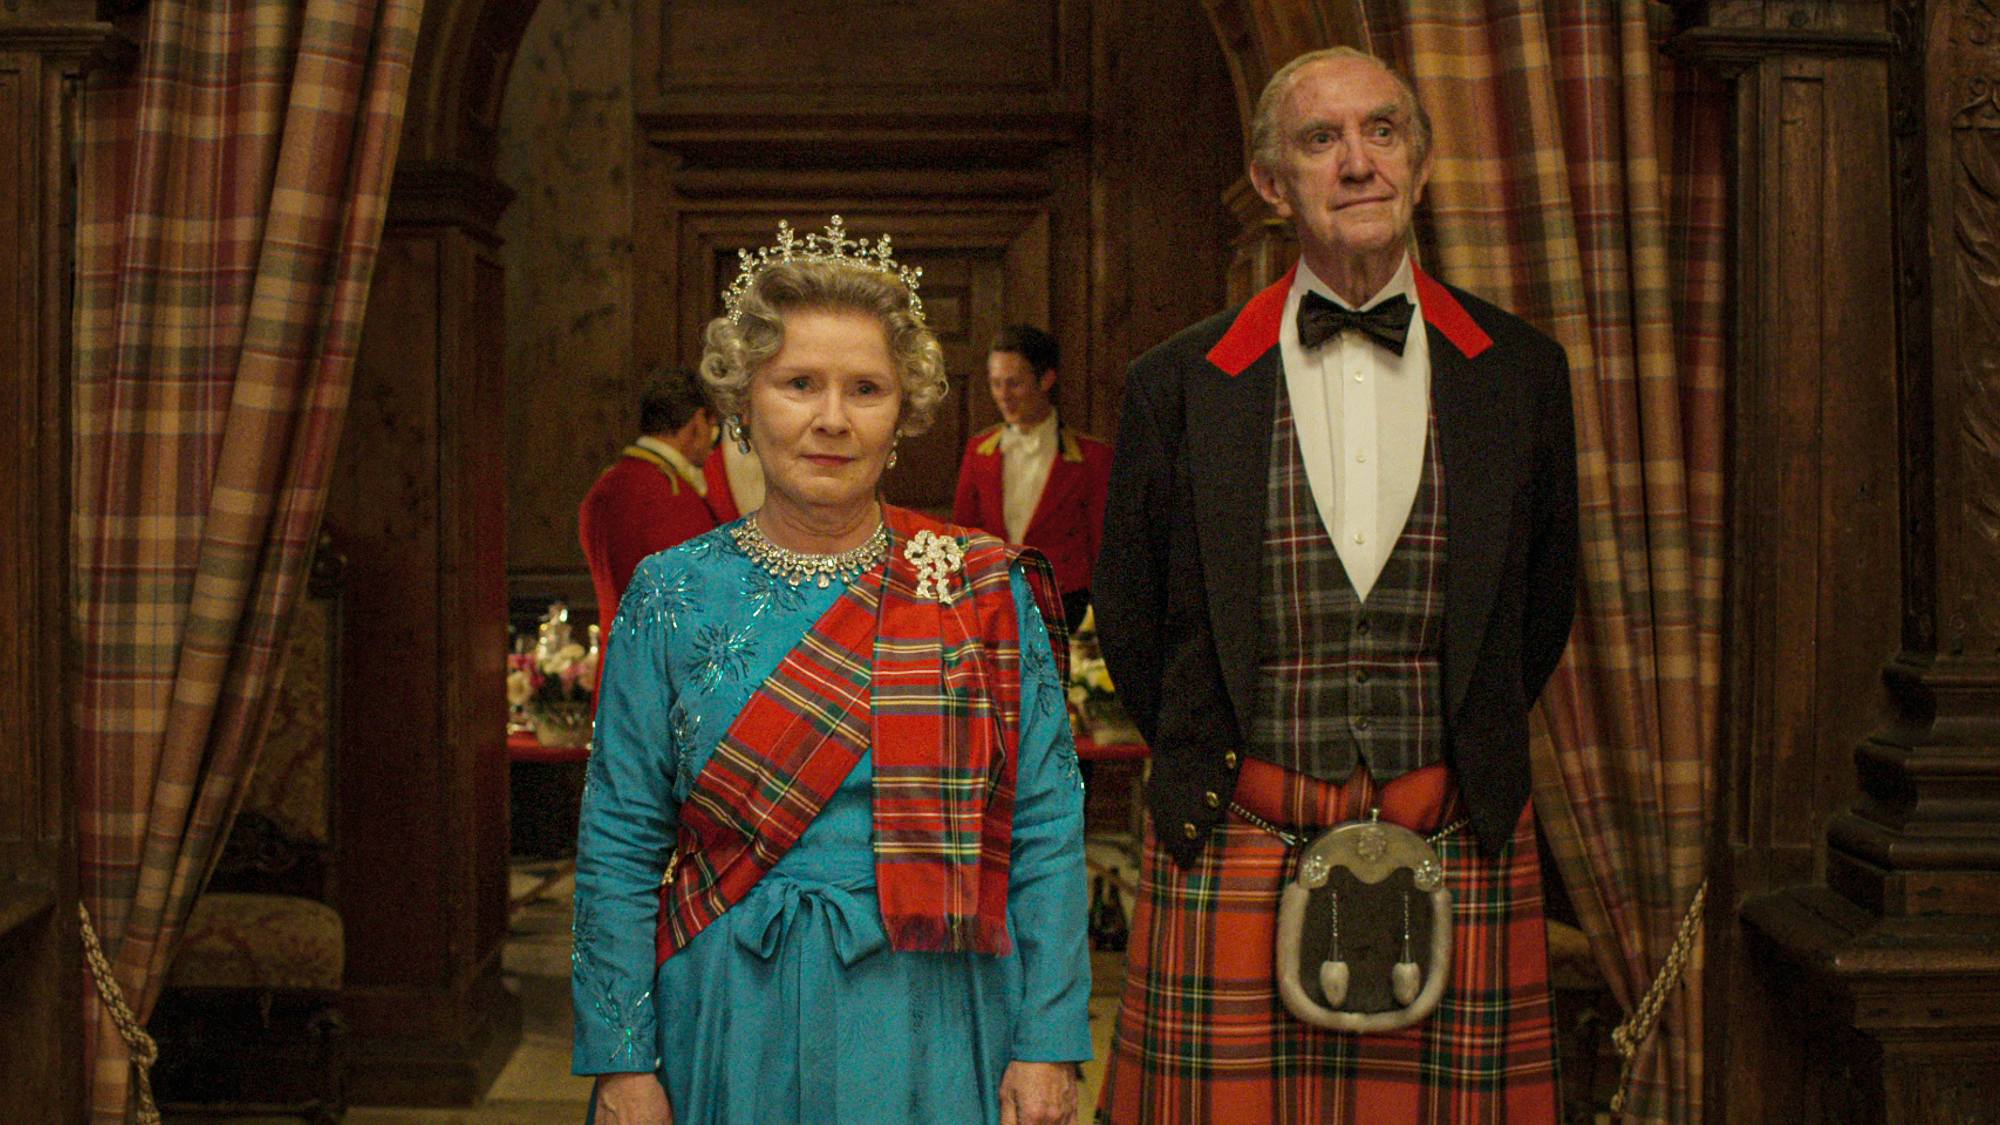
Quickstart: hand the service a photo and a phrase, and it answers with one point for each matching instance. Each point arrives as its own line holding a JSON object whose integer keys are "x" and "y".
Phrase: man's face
{"x": 1346, "y": 177}
{"x": 1021, "y": 394}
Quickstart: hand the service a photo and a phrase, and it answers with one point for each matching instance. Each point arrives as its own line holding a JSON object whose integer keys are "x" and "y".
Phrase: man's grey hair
{"x": 1267, "y": 148}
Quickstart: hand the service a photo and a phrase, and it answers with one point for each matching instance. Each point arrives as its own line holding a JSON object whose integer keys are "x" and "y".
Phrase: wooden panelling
{"x": 1159, "y": 245}
{"x": 572, "y": 392}
{"x": 807, "y": 57}
{"x": 1854, "y": 974}
{"x": 20, "y": 324}
{"x": 417, "y": 501}
{"x": 43, "y": 48}
{"x": 475, "y": 582}
{"x": 1815, "y": 554}
{"x": 383, "y": 506}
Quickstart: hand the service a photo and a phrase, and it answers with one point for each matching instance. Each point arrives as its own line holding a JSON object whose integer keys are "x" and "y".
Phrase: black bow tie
{"x": 1387, "y": 323}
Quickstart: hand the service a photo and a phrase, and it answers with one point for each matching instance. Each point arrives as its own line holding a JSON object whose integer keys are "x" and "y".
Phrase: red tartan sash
{"x": 935, "y": 690}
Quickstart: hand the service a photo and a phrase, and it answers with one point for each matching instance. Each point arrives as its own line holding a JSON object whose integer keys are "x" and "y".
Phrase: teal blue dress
{"x": 791, "y": 1007}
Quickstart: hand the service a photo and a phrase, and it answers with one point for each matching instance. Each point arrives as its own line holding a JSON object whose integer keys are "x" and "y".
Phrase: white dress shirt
{"x": 1361, "y": 413}
{"x": 689, "y": 471}
{"x": 1025, "y": 456}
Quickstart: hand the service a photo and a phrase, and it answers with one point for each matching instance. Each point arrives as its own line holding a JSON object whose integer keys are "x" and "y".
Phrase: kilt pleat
{"x": 1202, "y": 1036}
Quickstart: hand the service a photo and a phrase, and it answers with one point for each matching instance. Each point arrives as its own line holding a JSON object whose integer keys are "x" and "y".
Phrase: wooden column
{"x": 419, "y": 504}
{"x": 1857, "y": 977}
{"x": 1264, "y": 246}
{"x": 44, "y": 48}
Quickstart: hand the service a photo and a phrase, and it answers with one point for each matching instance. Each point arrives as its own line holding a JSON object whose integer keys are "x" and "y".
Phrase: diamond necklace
{"x": 796, "y": 567}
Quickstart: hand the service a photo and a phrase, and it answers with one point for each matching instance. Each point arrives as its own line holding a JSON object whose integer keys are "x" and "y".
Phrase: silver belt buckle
{"x": 1364, "y": 930}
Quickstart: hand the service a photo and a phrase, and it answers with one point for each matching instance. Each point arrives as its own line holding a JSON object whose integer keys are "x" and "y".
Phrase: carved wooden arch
{"x": 1259, "y": 36}
{"x": 464, "y": 53}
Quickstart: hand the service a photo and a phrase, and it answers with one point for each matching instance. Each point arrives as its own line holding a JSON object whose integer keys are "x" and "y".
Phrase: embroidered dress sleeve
{"x": 626, "y": 833}
{"x": 1046, "y": 891}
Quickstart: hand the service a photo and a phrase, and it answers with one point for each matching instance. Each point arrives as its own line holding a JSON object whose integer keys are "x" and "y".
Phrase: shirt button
{"x": 1361, "y": 457}
{"x": 1361, "y": 537}
{"x": 1189, "y": 830}
{"x": 1211, "y": 799}
{"x": 1229, "y": 760}
{"x": 1357, "y": 376}
{"x": 1362, "y": 723}
{"x": 1361, "y": 677}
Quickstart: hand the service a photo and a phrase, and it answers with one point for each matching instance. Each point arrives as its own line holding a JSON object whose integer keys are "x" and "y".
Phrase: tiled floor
{"x": 536, "y": 1087}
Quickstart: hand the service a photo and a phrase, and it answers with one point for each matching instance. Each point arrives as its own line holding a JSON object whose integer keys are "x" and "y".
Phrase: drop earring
{"x": 735, "y": 426}
{"x": 891, "y": 463}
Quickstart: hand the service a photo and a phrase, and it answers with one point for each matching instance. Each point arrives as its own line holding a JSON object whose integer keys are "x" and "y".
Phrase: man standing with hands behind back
{"x": 1339, "y": 564}
{"x": 1031, "y": 479}
{"x": 657, "y": 493}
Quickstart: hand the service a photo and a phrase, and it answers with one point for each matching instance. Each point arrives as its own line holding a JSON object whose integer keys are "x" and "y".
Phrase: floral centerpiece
{"x": 554, "y": 682}
{"x": 1093, "y": 698}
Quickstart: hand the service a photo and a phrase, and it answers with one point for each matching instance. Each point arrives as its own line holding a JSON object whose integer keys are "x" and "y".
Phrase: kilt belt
{"x": 1341, "y": 681}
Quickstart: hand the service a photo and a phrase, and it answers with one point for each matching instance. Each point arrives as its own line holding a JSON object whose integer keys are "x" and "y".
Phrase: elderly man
{"x": 1339, "y": 564}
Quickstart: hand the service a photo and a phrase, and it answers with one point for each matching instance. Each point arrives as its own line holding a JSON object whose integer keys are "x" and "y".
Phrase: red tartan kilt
{"x": 1202, "y": 1036}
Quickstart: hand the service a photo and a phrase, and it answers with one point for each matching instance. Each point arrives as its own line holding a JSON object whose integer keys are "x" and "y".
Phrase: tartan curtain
{"x": 231, "y": 194}
{"x": 1579, "y": 182}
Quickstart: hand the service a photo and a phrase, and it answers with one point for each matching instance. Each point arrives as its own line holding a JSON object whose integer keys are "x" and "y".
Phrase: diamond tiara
{"x": 831, "y": 246}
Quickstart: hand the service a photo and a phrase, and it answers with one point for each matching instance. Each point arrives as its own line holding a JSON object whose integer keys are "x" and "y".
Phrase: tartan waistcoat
{"x": 1340, "y": 680}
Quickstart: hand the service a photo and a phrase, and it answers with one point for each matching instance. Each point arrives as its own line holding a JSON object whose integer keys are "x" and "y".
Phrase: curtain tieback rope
{"x": 144, "y": 1051}
{"x": 1638, "y": 1027}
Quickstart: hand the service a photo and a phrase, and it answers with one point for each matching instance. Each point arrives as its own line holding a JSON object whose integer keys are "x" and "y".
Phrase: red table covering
{"x": 525, "y": 747}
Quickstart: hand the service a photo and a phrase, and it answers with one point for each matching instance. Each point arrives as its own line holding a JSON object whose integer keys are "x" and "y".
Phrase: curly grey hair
{"x": 734, "y": 350}
{"x": 1267, "y": 147}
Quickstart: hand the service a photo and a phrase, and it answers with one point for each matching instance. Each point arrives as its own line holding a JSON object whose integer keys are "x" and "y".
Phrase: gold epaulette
{"x": 642, "y": 453}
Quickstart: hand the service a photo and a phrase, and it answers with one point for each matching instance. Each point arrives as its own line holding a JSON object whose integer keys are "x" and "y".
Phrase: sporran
{"x": 1364, "y": 929}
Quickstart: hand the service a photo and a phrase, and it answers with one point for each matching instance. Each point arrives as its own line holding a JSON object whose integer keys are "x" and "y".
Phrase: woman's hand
{"x": 1038, "y": 1093}
{"x": 638, "y": 1099}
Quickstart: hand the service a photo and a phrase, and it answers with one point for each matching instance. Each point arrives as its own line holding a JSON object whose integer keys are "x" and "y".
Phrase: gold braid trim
{"x": 144, "y": 1051}
{"x": 1638, "y": 1027}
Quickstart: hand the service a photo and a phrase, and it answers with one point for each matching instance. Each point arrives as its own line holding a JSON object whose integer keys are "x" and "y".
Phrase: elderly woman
{"x": 830, "y": 866}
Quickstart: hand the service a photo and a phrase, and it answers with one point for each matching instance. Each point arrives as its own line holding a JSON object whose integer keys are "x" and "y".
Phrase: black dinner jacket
{"x": 1177, "y": 582}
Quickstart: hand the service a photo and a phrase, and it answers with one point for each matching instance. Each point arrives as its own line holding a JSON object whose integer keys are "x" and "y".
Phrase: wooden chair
{"x": 248, "y": 1022}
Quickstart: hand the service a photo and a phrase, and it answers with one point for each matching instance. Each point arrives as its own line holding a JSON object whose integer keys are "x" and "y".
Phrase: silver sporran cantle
{"x": 1364, "y": 929}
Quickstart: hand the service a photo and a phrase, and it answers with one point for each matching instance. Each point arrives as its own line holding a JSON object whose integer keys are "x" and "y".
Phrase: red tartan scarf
{"x": 935, "y": 689}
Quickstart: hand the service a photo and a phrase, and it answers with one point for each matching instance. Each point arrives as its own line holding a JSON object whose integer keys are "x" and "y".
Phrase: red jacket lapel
{"x": 1255, "y": 330}
{"x": 1066, "y": 475}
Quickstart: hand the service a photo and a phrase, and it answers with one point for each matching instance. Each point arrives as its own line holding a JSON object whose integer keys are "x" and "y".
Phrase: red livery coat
{"x": 721, "y": 501}
{"x": 638, "y": 506}
{"x": 1068, "y": 523}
